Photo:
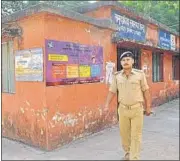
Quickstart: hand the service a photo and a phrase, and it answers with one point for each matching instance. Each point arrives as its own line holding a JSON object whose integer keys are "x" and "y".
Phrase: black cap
{"x": 126, "y": 54}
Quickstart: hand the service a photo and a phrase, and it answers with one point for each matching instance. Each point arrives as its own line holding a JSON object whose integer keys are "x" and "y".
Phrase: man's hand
{"x": 148, "y": 111}
{"x": 106, "y": 111}
{"x": 106, "y": 107}
{"x": 108, "y": 101}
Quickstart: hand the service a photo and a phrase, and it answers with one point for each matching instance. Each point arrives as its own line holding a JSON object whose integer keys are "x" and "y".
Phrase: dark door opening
{"x": 137, "y": 62}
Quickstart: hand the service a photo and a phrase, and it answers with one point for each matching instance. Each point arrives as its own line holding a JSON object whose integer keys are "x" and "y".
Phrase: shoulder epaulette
{"x": 115, "y": 73}
{"x": 137, "y": 70}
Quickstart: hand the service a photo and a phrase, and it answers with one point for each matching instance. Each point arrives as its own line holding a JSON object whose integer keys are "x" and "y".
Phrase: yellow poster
{"x": 57, "y": 57}
{"x": 84, "y": 71}
{"x": 72, "y": 71}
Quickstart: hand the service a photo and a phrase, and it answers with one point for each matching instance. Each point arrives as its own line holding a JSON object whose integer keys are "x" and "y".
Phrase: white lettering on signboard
{"x": 122, "y": 20}
{"x": 173, "y": 42}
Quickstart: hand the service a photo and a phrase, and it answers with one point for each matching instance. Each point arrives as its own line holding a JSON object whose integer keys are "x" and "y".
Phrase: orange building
{"x": 55, "y": 68}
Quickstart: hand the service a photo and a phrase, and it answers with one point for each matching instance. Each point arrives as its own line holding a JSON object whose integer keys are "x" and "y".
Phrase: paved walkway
{"x": 160, "y": 142}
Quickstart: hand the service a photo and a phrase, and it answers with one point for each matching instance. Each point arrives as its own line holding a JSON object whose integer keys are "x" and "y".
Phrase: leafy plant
{"x": 165, "y": 12}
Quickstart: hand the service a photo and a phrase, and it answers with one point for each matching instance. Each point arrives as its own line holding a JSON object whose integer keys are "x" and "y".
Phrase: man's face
{"x": 127, "y": 62}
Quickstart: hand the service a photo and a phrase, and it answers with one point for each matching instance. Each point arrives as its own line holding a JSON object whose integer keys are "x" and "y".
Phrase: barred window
{"x": 175, "y": 67}
{"x": 157, "y": 72}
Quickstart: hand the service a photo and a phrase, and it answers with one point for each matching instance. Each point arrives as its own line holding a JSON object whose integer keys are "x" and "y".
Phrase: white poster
{"x": 145, "y": 68}
{"x": 173, "y": 42}
{"x": 109, "y": 72}
{"x": 29, "y": 65}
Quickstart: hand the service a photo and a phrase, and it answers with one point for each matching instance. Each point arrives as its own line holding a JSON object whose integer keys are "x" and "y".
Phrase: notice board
{"x": 29, "y": 65}
{"x": 72, "y": 63}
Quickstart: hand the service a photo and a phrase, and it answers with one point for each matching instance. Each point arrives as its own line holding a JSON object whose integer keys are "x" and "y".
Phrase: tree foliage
{"x": 9, "y": 7}
{"x": 166, "y": 12}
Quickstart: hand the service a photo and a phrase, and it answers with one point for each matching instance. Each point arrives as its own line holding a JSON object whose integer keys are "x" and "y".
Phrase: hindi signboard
{"x": 164, "y": 40}
{"x": 128, "y": 28}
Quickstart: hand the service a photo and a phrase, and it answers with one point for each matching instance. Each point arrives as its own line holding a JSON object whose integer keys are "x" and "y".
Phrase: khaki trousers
{"x": 131, "y": 124}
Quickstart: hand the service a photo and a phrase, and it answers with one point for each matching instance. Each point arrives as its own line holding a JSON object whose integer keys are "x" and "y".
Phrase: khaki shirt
{"x": 130, "y": 90}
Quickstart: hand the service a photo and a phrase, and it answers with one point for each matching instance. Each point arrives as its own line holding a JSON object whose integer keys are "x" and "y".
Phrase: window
{"x": 175, "y": 67}
{"x": 8, "y": 67}
{"x": 157, "y": 67}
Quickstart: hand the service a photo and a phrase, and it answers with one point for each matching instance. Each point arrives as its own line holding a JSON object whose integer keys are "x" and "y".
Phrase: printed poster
{"x": 29, "y": 65}
{"x": 73, "y": 63}
{"x": 173, "y": 42}
{"x": 109, "y": 72}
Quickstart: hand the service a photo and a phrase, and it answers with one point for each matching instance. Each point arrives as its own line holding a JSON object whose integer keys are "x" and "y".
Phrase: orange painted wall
{"x": 160, "y": 91}
{"x": 24, "y": 113}
{"x": 105, "y": 12}
{"x": 37, "y": 109}
{"x": 80, "y": 103}
{"x": 152, "y": 34}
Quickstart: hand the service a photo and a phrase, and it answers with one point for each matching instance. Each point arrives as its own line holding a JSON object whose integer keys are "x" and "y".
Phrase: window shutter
{"x": 161, "y": 66}
{"x": 4, "y": 68}
{"x": 8, "y": 68}
{"x": 11, "y": 72}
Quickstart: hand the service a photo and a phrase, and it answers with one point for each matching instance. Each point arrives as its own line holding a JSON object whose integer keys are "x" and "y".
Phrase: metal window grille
{"x": 157, "y": 72}
{"x": 175, "y": 67}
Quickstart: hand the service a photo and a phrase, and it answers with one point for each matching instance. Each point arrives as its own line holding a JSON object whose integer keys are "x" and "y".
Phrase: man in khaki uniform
{"x": 132, "y": 89}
